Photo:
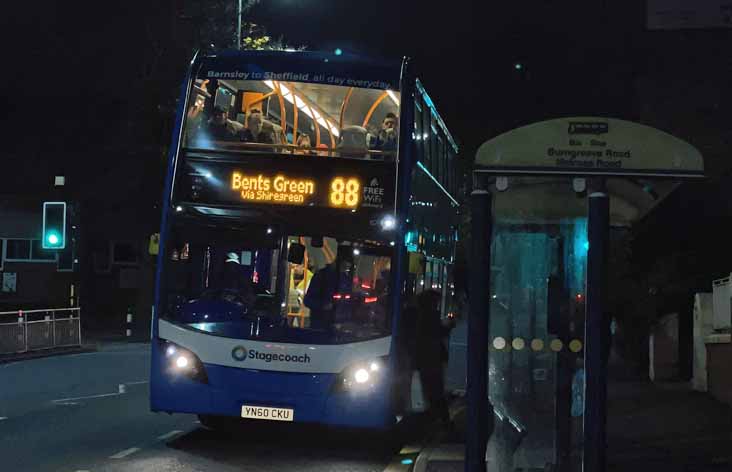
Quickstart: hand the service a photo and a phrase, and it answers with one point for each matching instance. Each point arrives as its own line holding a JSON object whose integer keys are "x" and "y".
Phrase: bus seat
{"x": 278, "y": 134}
{"x": 353, "y": 142}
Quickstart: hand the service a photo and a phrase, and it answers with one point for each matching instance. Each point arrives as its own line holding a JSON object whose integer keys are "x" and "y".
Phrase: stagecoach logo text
{"x": 240, "y": 353}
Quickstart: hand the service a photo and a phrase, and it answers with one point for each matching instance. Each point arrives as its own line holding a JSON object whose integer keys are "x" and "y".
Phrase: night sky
{"x": 81, "y": 72}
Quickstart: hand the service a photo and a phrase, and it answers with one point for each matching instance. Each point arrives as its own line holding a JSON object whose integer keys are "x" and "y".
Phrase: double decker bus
{"x": 308, "y": 196}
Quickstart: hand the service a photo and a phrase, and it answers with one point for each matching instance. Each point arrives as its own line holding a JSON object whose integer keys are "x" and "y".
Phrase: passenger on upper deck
{"x": 386, "y": 140}
{"x": 303, "y": 143}
{"x": 220, "y": 127}
{"x": 255, "y": 132}
{"x": 195, "y": 114}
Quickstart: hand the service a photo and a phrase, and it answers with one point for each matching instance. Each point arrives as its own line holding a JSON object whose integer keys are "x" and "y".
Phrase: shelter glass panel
{"x": 536, "y": 358}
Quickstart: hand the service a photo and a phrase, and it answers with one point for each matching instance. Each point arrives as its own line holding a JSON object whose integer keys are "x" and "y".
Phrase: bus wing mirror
{"x": 296, "y": 253}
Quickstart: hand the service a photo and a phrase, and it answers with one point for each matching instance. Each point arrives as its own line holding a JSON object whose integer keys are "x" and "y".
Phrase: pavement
{"x": 651, "y": 426}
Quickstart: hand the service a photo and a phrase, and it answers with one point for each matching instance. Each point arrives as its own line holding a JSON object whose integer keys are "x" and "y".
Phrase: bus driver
{"x": 333, "y": 279}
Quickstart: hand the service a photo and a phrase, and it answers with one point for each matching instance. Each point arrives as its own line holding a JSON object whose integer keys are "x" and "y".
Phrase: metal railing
{"x": 32, "y": 330}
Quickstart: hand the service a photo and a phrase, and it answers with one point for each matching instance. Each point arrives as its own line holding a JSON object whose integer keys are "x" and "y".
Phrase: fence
{"x": 22, "y": 331}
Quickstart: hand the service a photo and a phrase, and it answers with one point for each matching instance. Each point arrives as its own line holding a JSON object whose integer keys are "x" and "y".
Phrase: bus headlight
{"x": 181, "y": 361}
{"x": 388, "y": 223}
{"x": 362, "y": 376}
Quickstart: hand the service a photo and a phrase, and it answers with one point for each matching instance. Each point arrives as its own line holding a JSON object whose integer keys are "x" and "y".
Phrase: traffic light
{"x": 54, "y": 225}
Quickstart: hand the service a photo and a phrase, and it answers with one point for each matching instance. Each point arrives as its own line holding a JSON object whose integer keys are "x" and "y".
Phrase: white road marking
{"x": 121, "y": 390}
{"x": 140, "y": 382}
{"x": 169, "y": 435}
{"x": 125, "y": 453}
{"x": 67, "y": 403}
{"x": 3, "y": 418}
{"x": 196, "y": 422}
{"x": 62, "y": 400}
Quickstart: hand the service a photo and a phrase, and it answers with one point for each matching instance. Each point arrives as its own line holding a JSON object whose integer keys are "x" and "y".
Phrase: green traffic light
{"x": 52, "y": 239}
{"x": 54, "y": 225}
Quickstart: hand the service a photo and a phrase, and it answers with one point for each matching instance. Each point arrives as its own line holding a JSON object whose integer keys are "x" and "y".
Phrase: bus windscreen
{"x": 237, "y": 285}
{"x": 293, "y": 118}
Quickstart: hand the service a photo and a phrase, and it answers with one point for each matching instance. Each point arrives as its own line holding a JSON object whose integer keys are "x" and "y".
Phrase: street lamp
{"x": 238, "y": 24}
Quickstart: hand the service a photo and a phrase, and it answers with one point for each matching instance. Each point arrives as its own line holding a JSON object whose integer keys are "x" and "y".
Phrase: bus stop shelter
{"x": 545, "y": 197}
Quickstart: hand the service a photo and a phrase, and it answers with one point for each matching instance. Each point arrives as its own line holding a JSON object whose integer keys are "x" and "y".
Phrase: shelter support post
{"x": 479, "y": 409}
{"x": 597, "y": 329}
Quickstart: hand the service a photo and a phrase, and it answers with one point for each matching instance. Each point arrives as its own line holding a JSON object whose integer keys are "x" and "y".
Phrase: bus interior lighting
{"x": 311, "y": 112}
{"x": 393, "y": 97}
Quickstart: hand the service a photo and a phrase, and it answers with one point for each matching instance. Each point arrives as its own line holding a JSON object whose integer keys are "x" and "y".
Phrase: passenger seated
{"x": 353, "y": 142}
{"x": 220, "y": 128}
{"x": 195, "y": 116}
{"x": 303, "y": 144}
{"x": 278, "y": 134}
{"x": 255, "y": 132}
{"x": 388, "y": 136}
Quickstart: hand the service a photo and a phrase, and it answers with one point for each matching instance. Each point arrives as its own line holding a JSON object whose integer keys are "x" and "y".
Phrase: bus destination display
{"x": 345, "y": 186}
{"x": 343, "y": 192}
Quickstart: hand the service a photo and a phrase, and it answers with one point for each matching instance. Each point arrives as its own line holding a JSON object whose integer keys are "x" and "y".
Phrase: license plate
{"x": 267, "y": 413}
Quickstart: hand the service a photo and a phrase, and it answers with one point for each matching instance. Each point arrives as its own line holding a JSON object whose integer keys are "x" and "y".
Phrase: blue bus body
{"x": 319, "y": 337}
